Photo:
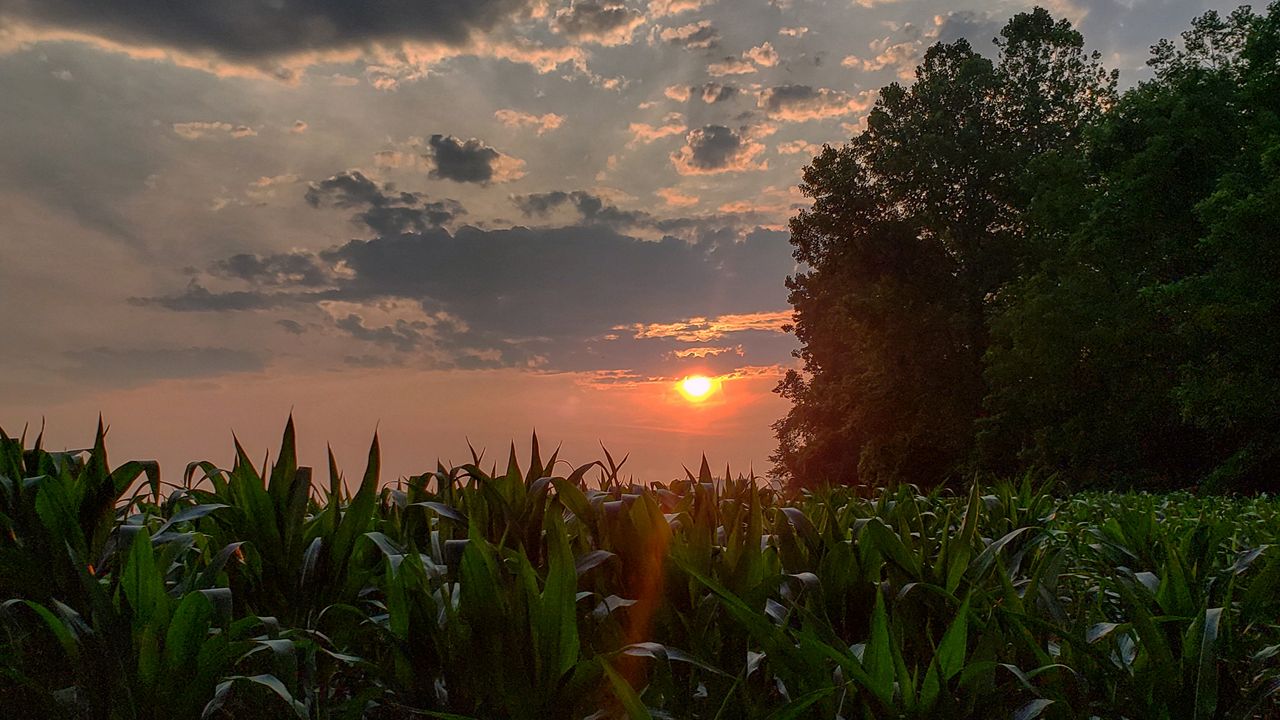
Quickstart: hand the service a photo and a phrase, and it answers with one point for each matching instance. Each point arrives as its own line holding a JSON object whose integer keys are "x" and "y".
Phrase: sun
{"x": 696, "y": 388}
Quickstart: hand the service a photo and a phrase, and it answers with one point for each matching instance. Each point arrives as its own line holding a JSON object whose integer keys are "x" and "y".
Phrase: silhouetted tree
{"x": 915, "y": 224}
{"x": 1011, "y": 269}
{"x": 1141, "y": 349}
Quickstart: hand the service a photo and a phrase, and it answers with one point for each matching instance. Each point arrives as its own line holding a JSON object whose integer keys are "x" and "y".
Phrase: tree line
{"x": 1017, "y": 268}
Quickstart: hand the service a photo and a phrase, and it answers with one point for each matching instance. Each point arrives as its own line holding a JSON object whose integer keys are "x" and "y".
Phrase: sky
{"x": 448, "y": 221}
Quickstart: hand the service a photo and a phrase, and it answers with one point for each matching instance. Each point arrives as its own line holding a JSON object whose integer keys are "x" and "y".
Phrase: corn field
{"x": 542, "y": 590}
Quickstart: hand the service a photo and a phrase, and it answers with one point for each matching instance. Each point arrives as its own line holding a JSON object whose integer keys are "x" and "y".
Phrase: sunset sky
{"x": 442, "y": 219}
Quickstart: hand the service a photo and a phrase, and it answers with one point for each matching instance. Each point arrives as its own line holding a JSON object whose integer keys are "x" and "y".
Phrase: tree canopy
{"x": 1016, "y": 268}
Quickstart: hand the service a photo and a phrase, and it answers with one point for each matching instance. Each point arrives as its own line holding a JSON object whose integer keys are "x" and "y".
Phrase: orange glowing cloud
{"x": 701, "y": 329}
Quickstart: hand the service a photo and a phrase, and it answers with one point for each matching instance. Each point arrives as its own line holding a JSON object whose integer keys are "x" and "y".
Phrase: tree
{"x": 1139, "y": 349}
{"x": 915, "y": 225}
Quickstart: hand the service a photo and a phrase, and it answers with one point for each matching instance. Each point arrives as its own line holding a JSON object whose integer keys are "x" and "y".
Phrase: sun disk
{"x": 696, "y": 387}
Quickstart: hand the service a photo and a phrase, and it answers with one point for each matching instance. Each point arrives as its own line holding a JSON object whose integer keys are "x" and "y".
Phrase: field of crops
{"x": 540, "y": 590}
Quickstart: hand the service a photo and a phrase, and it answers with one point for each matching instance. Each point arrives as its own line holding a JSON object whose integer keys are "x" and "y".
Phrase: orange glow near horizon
{"x": 697, "y": 388}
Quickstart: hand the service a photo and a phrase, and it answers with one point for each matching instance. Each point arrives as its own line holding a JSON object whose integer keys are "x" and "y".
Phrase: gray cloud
{"x": 701, "y": 35}
{"x": 254, "y": 30}
{"x": 713, "y": 92}
{"x": 798, "y": 103}
{"x": 715, "y": 149}
{"x": 607, "y": 22}
{"x": 198, "y": 298}
{"x": 591, "y": 208}
{"x": 552, "y": 286}
{"x": 292, "y": 269}
{"x": 713, "y": 146}
{"x": 466, "y": 161}
{"x": 383, "y": 209}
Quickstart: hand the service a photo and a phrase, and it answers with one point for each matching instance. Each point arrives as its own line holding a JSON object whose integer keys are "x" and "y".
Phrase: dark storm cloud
{"x": 714, "y": 146}
{"x": 292, "y": 326}
{"x": 553, "y": 282}
{"x": 404, "y": 335}
{"x": 715, "y": 149}
{"x": 252, "y": 30}
{"x": 714, "y": 92}
{"x": 798, "y": 103}
{"x": 127, "y": 367}
{"x": 591, "y": 208}
{"x": 464, "y": 161}
{"x": 284, "y": 269}
{"x": 198, "y": 298}
{"x": 382, "y": 208}
{"x": 609, "y": 22}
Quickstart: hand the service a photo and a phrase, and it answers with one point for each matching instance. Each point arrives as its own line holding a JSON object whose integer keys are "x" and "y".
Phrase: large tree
{"x": 1144, "y": 346}
{"x": 915, "y": 225}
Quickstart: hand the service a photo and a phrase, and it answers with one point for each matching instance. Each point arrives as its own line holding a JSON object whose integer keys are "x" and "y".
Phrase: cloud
{"x": 679, "y": 93}
{"x": 731, "y": 66}
{"x": 382, "y": 208}
{"x": 299, "y": 127}
{"x": 707, "y": 351}
{"x": 471, "y": 161}
{"x": 266, "y": 186}
{"x": 798, "y": 103}
{"x": 198, "y": 130}
{"x": 263, "y": 33}
{"x": 663, "y": 8}
{"x": 798, "y": 147}
{"x": 716, "y": 149}
{"x": 676, "y": 199}
{"x": 447, "y": 157}
{"x": 291, "y": 269}
{"x": 402, "y": 325}
{"x": 763, "y": 55}
{"x": 710, "y": 92}
{"x": 713, "y": 92}
{"x": 544, "y": 123}
{"x": 902, "y": 57}
{"x": 769, "y": 201}
{"x": 797, "y": 31}
{"x": 644, "y": 133}
{"x": 602, "y": 22}
{"x": 694, "y": 36}
{"x": 551, "y": 296}
{"x": 591, "y": 208}
{"x": 706, "y": 329}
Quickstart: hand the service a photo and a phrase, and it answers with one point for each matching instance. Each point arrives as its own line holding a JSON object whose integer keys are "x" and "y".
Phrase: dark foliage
{"x": 1014, "y": 268}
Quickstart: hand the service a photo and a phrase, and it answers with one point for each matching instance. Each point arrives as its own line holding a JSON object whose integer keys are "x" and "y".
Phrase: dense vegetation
{"x": 528, "y": 593}
{"x": 1015, "y": 268}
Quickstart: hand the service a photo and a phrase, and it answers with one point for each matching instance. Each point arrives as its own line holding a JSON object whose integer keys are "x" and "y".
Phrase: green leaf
{"x": 558, "y": 617}
{"x": 951, "y": 651}
{"x": 796, "y": 707}
{"x": 270, "y": 682}
{"x": 622, "y": 689}
{"x": 877, "y": 658}
{"x": 142, "y": 584}
{"x": 1207, "y": 667}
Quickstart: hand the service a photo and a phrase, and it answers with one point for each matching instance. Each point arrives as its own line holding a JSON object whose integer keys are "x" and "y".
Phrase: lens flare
{"x": 697, "y": 388}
